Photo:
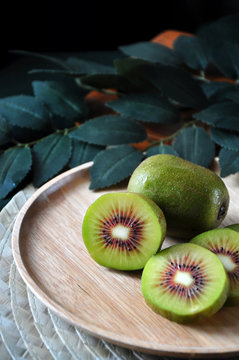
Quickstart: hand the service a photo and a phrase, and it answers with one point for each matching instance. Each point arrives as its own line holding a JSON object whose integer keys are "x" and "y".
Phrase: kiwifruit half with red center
{"x": 123, "y": 230}
{"x": 184, "y": 283}
{"x": 225, "y": 244}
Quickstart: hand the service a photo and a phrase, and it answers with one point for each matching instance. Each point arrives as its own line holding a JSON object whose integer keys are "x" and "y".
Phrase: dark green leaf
{"x": 125, "y": 66}
{"x": 229, "y": 162}
{"x": 223, "y": 115}
{"x": 195, "y": 145}
{"x": 24, "y": 111}
{"x": 54, "y": 72}
{"x": 161, "y": 149}
{"x": 63, "y": 64}
{"x": 220, "y": 40}
{"x": 60, "y": 122}
{"x": 84, "y": 66}
{"x": 64, "y": 99}
{"x": 146, "y": 107}
{"x": 5, "y": 135}
{"x": 24, "y": 135}
{"x": 105, "y": 81}
{"x": 3, "y": 202}
{"x": 226, "y": 139}
{"x": 83, "y": 152}
{"x": 95, "y": 62}
{"x": 153, "y": 52}
{"x": 173, "y": 82}
{"x": 232, "y": 94}
{"x": 189, "y": 49}
{"x": 14, "y": 166}
{"x": 216, "y": 90}
{"x": 177, "y": 84}
{"x": 113, "y": 165}
{"x": 50, "y": 156}
{"x": 110, "y": 130}
{"x": 133, "y": 70}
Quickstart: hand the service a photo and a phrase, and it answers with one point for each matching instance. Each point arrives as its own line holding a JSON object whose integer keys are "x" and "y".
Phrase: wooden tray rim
{"x": 121, "y": 340}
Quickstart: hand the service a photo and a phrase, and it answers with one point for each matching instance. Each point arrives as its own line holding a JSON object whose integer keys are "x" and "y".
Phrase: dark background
{"x": 82, "y": 26}
{"x": 68, "y": 28}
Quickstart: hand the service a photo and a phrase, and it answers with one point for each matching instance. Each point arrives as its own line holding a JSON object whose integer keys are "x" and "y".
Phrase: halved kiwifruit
{"x": 225, "y": 244}
{"x": 184, "y": 283}
{"x": 123, "y": 230}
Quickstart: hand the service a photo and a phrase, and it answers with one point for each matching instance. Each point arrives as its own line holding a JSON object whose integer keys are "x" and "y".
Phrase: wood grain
{"x": 51, "y": 257}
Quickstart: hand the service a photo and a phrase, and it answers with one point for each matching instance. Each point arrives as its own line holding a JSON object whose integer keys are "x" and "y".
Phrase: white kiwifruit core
{"x": 120, "y": 232}
{"x": 227, "y": 261}
{"x": 183, "y": 278}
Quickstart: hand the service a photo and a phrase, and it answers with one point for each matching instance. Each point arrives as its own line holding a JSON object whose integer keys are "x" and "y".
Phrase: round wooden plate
{"x": 51, "y": 257}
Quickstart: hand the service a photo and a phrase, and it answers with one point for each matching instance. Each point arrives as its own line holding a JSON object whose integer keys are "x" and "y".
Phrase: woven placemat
{"x": 28, "y": 329}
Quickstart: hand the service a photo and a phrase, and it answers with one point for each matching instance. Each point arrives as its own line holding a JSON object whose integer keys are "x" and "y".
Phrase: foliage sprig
{"x": 52, "y": 129}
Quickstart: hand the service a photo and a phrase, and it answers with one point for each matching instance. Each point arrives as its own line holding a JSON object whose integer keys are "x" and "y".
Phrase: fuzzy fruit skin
{"x": 158, "y": 212}
{"x": 235, "y": 300}
{"x": 189, "y": 195}
{"x": 170, "y": 313}
{"x": 234, "y": 227}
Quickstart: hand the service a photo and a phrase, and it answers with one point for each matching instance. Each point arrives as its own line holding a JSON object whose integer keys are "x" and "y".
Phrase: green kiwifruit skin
{"x": 189, "y": 195}
{"x": 158, "y": 212}
{"x": 215, "y": 304}
{"x": 234, "y": 227}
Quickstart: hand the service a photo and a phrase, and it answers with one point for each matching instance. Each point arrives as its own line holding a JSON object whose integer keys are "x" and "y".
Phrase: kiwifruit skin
{"x": 158, "y": 212}
{"x": 169, "y": 313}
{"x": 231, "y": 301}
{"x": 234, "y": 227}
{"x": 189, "y": 195}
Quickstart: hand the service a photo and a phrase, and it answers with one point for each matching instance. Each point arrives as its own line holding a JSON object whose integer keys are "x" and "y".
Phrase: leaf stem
{"x": 101, "y": 90}
{"x": 65, "y": 131}
{"x": 172, "y": 136}
{"x": 201, "y": 77}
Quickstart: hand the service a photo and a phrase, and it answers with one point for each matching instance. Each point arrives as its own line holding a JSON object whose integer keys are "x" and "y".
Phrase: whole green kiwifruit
{"x": 193, "y": 199}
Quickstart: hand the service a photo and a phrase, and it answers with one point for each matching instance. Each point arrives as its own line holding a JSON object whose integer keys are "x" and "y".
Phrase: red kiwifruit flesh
{"x": 224, "y": 243}
{"x": 185, "y": 283}
{"x": 123, "y": 230}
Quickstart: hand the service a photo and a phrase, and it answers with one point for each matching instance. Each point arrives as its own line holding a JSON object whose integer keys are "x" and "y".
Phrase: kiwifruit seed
{"x": 185, "y": 282}
{"x": 229, "y": 258}
{"x": 122, "y": 230}
{"x": 185, "y": 279}
{"x": 225, "y": 244}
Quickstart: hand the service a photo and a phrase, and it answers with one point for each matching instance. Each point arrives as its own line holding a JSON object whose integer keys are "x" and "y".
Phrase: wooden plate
{"x": 52, "y": 259}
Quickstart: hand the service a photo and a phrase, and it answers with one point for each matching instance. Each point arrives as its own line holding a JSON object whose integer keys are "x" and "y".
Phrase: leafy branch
{"x": 34, "y": 142}
{"x": 172, "y": 136}
{"x": 147, "y": 85}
